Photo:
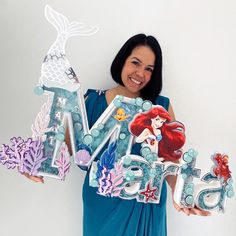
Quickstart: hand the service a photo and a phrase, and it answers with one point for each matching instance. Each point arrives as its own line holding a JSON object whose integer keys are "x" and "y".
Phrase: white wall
{"x": 198, "y": 41}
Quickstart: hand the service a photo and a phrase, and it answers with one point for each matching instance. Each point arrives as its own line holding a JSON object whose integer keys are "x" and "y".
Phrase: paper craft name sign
{"x": 137, "y": 143}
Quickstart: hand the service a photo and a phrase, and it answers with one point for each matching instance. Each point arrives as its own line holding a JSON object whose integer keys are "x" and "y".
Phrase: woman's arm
{"x": 171, "y": 180}
{"x": 171, "y": 113}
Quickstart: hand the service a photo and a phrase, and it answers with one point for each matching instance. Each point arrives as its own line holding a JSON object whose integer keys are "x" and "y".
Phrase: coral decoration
{"x": 105, "y": 165}
{"x": 40, "y": 126}
{"x": 221, "y": 168}
{"x": 105, "y": 184}
{"x": 27, "y": 155}
{"x": 110, "y": 181}
{"x": 34, "y": 158}
{"x": 149, "y": 193}
{"x": 63, "y": 162}
{"x": 117, "y": 179}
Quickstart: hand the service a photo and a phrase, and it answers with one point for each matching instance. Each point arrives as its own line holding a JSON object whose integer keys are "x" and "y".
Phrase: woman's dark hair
{"x": 153, "y": 88}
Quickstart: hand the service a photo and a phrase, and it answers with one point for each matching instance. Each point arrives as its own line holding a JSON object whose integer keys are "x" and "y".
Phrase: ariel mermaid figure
{"x": 156, "y": 130}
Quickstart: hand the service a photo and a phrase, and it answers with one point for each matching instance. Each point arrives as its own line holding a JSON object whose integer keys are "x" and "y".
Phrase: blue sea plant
{"x": 104, "y": 167}
{"x": 107, "y": 160}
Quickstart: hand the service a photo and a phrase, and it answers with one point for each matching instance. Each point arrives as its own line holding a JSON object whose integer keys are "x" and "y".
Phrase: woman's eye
{"x": 149, "y": 69}
{"x": 135, "y": 62}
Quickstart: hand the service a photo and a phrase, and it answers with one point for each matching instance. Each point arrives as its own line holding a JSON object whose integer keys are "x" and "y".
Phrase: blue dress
{"x": 113, "y": 216}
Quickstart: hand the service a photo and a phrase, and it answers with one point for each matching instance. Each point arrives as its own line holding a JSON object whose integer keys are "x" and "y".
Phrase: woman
{"x": 137, "y": 69}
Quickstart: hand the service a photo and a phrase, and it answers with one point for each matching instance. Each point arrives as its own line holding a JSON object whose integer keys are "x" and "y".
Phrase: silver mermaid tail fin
{"x": 63, "y": 26}
{"x": 56, "y": 70}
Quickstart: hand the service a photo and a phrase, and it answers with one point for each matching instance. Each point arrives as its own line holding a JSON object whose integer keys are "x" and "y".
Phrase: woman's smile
{"x": 135, "y": 81}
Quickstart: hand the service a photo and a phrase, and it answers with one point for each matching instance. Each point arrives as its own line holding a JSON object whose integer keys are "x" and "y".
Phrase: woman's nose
{"x": 140, "y": 72}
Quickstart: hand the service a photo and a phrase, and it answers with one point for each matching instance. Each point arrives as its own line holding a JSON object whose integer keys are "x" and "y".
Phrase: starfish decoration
{"x": 149, "y": 193}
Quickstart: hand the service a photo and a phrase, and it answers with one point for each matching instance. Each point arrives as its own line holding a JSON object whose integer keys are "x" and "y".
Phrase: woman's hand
{"x": 37, "y": 179}
{"x": 191, "y": 211}
{"x": 171, "y": 179}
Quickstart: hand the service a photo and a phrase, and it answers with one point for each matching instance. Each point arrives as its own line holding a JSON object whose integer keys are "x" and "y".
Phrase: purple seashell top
{"x": 82, "y": 157}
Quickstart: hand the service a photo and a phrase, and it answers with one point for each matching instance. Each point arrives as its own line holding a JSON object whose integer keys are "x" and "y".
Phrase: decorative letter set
{"x": 125, "y": 125}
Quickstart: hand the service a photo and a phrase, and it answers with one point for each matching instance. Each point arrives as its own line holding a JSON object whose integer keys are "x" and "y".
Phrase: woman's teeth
{"x": 135, "y": 81}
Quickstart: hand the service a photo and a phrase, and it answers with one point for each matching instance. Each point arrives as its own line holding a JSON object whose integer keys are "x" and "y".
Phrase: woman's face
{"x": 138, "y": 68}
{"x": 157, "y": 122}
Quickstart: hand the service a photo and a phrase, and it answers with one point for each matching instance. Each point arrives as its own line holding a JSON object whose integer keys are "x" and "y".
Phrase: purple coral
{"x": 105, "y": 184}
{"x": 33, "y": 158}
{"x": 5, "y": 157}
{"x": 26, "y": 156}
{"x": 110, "y": 183}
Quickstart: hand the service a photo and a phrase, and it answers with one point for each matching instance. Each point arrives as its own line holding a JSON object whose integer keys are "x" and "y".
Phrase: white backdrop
{"x": 198, "y": 41}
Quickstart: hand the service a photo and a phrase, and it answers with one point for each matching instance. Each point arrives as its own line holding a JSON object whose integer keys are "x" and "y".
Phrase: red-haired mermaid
{"x": 221, "y": 169}
{"x": 160, "y": 134}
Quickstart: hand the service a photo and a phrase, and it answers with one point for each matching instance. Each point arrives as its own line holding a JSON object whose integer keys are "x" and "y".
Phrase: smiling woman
{"x": 138, "y": 65}
{"x": 137, "y": 68}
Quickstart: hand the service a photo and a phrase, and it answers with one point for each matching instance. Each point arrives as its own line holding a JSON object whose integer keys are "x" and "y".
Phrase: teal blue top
{"x": 113, "y": 216}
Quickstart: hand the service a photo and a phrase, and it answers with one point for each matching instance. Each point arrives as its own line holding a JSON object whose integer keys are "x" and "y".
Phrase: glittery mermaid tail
{"x": 56, "y": 69}
{"x": 63, "y": 26}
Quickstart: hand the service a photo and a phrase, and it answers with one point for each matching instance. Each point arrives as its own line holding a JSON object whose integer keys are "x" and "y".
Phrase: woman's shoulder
{"x": 94, "y": 93}
{"x": 95, "y": 97}
{"x": 95, "y": 104}
{"x": 163, "y": 101}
